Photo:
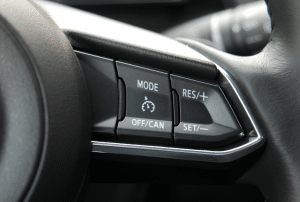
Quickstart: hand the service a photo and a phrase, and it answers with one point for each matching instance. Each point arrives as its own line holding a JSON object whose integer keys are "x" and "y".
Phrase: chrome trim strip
{"x": 243, "y": 102}
{"x": 187, "y": 154}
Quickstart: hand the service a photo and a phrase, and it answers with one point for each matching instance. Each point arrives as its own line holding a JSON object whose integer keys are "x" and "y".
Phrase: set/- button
{"x": 206, "y": 118}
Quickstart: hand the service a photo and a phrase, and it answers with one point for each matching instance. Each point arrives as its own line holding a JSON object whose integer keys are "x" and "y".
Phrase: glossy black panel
{"x": 103, "y": 88}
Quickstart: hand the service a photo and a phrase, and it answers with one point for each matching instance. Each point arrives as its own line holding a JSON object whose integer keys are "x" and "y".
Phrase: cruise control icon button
{"x": 148, "y": 106}
{"x": 148, "y": 115}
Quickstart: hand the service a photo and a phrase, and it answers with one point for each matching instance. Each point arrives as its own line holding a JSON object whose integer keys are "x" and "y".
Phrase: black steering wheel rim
{"x": 45, "y": 110}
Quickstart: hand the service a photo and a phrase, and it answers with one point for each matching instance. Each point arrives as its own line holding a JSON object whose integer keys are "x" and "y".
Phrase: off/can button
{"x": 148, "y": 113}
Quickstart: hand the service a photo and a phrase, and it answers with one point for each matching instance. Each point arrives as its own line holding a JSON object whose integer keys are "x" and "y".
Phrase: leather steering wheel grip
{"x": 270, "y": 83}
{"x": 45, "y": 112}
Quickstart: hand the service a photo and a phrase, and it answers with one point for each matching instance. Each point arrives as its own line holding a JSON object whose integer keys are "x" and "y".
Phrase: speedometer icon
{"x": 148, "y": 106}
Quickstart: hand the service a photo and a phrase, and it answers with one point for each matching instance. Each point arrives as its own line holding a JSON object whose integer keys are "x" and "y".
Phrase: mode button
{"x": 148, "y": 115}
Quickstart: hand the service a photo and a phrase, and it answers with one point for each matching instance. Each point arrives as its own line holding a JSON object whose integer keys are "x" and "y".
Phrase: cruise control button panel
{"x": 141, "y": 111}
{"x": 206, "y": 118}
{"x": 148, "y": 105}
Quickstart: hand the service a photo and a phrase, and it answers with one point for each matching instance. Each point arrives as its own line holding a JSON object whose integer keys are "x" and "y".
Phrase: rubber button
{"x": 175, "y": 108}
{"x": 122, "y": 100}
{"x": 148, "y": 115}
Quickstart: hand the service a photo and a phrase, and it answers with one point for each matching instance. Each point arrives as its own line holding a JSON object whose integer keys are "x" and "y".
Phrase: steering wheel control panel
{"x": 161, "y": 107}
{"x": 143, "y": 111}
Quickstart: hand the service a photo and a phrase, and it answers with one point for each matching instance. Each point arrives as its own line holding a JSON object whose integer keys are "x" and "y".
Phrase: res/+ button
{"x": 206, "y": 118}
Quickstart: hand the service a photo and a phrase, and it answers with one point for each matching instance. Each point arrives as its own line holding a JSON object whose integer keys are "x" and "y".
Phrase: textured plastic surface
{"x": 205, "y": 116}
{"x": 148, "y": 105}
{"x": 103, "y": 88}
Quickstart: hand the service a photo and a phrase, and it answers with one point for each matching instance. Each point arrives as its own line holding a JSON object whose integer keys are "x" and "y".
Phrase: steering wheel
{"x": 269, "y": 81}
{"x": 45, "y": 105}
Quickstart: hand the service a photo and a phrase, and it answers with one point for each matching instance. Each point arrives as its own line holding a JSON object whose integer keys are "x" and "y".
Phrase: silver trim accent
{"x": 188, "y": 154}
